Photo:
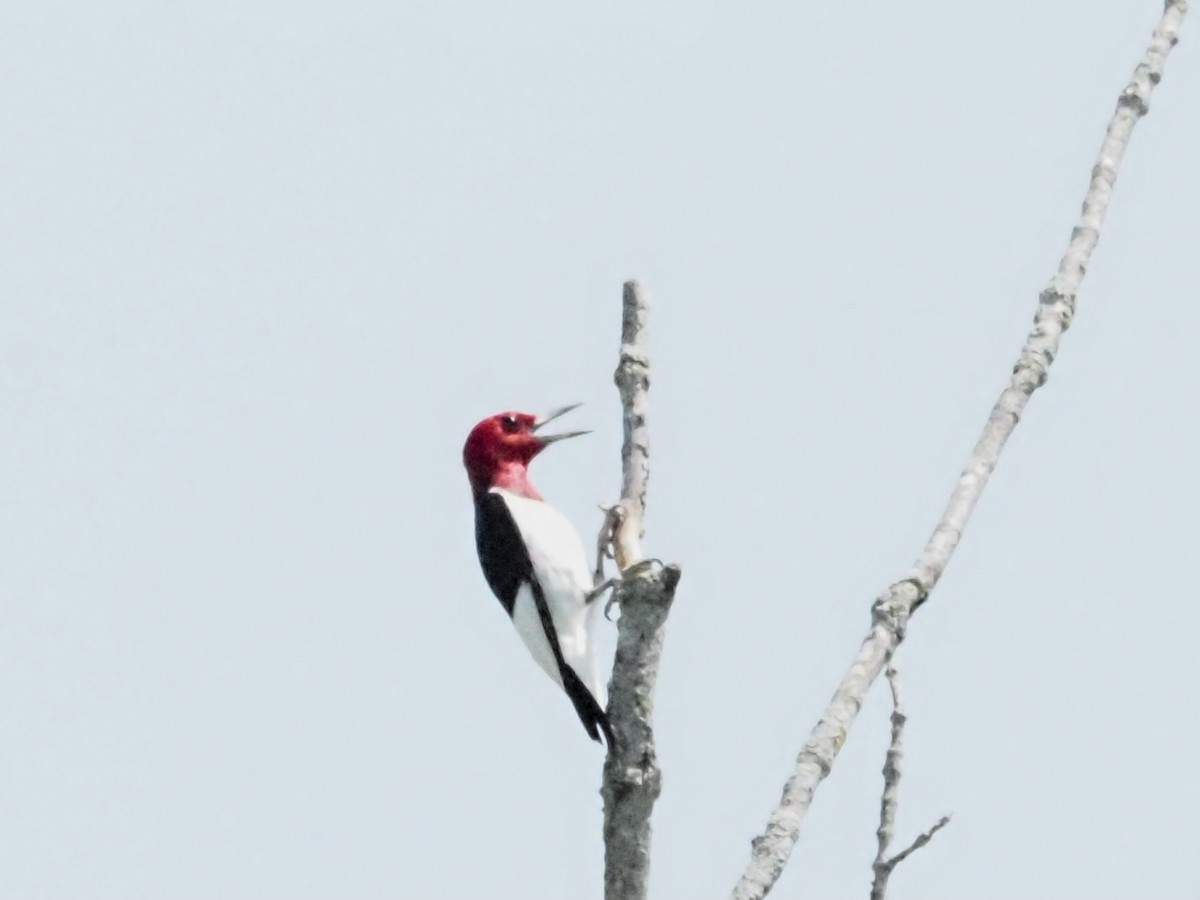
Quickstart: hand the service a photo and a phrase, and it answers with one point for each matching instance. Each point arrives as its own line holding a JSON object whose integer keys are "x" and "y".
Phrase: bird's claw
{"x": 599, "y": 589}
{"x": 604, "y": 541}
{"x": 643, "y": 565}
{"x": 636, "y": 569}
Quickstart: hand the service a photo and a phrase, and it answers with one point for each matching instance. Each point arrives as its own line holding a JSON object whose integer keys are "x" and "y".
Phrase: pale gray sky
{"x": 265, "y": 264}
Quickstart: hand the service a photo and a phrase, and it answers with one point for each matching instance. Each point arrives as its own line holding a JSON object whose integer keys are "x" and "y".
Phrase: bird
{"x": 533, "y": 559}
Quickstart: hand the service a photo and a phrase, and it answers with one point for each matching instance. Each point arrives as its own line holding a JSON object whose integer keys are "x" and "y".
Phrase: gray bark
{"x": 632, "y": 779}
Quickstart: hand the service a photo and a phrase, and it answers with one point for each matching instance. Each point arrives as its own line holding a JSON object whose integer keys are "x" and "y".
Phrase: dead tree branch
{"x": 888, "y": 803}
{"x": 632, "y": 779}
{"x": 920, "y": 841}
{"x": 891, "y": 610}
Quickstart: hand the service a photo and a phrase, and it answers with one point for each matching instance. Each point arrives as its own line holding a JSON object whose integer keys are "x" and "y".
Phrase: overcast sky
{"x": 262, "y": 267}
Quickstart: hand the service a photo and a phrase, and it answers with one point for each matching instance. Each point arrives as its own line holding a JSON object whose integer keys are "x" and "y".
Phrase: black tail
{"x": 586, "y": 706}
{"x": 590, "y": 713}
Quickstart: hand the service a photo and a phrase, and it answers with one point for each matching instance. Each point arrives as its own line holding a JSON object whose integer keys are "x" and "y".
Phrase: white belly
{"x": 561, "y": 568}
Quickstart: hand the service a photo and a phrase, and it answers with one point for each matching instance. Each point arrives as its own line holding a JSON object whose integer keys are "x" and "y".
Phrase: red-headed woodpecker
{"x": 533, "y": 559}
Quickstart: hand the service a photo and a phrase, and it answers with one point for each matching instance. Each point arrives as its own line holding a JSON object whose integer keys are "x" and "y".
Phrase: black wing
{"x": 502, "y": 554}
{"x": 506, "y": 566}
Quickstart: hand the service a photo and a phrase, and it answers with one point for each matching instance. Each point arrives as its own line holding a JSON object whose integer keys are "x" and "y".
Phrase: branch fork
{"x": 889, "y": 801}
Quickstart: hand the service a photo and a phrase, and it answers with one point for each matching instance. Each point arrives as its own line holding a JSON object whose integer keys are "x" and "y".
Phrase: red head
{"x": 499, "y": 450}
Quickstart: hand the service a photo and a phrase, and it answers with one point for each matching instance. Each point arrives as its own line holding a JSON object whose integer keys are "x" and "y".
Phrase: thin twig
{"x": 891, "y": 787}
{"x": 891, "y": 610}
{"x": 920, "y": 841}
{"x": 884, "y": 864}
{"x": 632, "y": 779}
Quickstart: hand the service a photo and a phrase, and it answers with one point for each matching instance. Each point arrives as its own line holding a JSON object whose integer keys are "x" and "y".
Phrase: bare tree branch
{"x": 920, "y": 841}
{"x": 632, "y": 779}
{"x": 884, "y": 865}
{"x": 633, "y": 383}
{"x": 891, "y": 786}
{"x": 891, "y": 610}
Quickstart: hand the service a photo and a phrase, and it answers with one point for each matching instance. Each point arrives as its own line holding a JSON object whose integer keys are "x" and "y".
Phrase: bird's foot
{"x": 604, "y": 541}
{"x": 637, "y": 568}
{"x": 606, "y": 585}
{"x": 612, "y": 601}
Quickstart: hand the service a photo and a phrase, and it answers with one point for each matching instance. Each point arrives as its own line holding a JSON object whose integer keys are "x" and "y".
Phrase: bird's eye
{"x": 510, "y": 424}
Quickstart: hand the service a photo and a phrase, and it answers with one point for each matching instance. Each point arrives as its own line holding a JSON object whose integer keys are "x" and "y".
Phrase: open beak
{"x": 550, "y": 417}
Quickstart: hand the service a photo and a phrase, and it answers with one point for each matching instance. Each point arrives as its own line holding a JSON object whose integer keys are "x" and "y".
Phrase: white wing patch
{"x": 529, "y": 626}
{"x": 561, "y": 568}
